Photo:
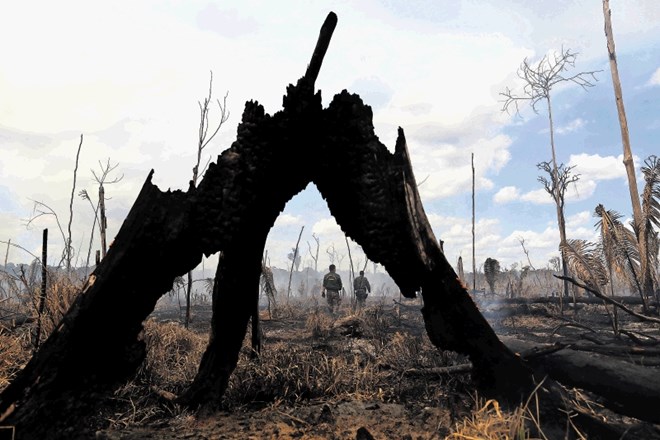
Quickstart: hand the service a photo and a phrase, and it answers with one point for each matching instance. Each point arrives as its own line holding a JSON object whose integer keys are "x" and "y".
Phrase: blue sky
{"x": 129, "y": 75}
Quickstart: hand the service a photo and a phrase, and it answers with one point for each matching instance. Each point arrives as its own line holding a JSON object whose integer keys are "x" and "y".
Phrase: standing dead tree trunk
{"x": 44, "y": 286}
{"x": 294, "y": 261}
{"x": 640, "y": 225}
{"x": 375, "y": 200}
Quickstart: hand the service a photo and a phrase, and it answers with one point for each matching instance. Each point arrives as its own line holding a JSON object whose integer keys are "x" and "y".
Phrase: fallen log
{"x": 438, "y": 371}
{"x": 624, "y": 387}
{"x": 623, "y": 299}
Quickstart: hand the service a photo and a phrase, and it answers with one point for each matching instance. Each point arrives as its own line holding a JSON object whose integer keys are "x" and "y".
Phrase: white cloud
{"x": 446, "y": 169}
{"x": 539, "y": 196}
{"x": 572, "y": 126}
{"x": 286, "y": 219}
{"x": 327, "y": 227}
{"x": 507, "y": 194}
{"x": 578, "y": 220}
{"x": 655, "y": 78}
{"x": 580, "y": 190}
{"x": 596, "y": 167}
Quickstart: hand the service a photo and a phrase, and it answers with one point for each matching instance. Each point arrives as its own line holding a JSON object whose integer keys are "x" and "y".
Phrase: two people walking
{"x": 333, "y": 286}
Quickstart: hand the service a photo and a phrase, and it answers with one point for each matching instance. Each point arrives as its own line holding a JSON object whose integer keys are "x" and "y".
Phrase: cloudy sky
{"x": 128, "y": 75}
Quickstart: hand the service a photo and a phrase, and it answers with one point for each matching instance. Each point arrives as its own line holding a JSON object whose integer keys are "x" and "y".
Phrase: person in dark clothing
{"x": 332, "y": 287}
{"x": 362, "y": 289}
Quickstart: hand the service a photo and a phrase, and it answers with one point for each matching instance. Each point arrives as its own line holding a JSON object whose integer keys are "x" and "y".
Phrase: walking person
{"x": 362, "y": 289}
{"x": 332, "y": 285}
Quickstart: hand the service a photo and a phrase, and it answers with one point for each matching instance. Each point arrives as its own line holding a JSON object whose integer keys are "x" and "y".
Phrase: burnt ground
{"x": 381, "y": 365}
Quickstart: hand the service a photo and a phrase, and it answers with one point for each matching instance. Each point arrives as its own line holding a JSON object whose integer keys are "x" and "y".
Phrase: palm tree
{"x": 619, "y": 252}
{"x": 491, "y": 271}
{"x": 619, "y": 248}
{"x": 585, "y": 259}
{"x": 651, "y": 220}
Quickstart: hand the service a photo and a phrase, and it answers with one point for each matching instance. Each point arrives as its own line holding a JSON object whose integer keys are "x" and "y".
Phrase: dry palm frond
{"x": 619, "y": 246}
{"x": 491, "y": 271}
{"x": 651, "y": 194}
{"x": 651, "y": 213}
{"x": 585, "y": 260}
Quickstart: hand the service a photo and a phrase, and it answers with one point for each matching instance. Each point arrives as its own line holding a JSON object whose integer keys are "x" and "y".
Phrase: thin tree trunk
{"x": 256, "y": 331}
{"x": 293, "y": 262}
{"x": 561, "y": 223}
{"x": 188, "y": 299}
{"x": 640, "y": 225}
{"x": 7, "y": 252}
{"x": 103, "y": 222}
{"x": 351, "y": 273}
{"x": 474, "y": 259}
{"x": 44, "y": 285}
{"x": 68, "y": 251}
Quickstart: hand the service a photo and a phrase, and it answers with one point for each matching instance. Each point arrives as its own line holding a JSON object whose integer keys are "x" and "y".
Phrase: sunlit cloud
{"x": 655, "y": 78}
{"x": 507, "y": 194}
{"x": 572, "y": 126}
{"x": 596, "y": 167}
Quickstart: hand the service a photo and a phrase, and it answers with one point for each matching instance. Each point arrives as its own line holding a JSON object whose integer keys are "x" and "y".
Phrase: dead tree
{"x": 370, "y": 191}
{"x": 641, "y": 227}
{"x": 101, "y": 179}
{"x": 539, "y": 82}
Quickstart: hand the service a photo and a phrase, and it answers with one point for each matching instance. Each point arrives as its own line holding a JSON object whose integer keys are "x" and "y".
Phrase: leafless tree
{"x": 539, "y": 81}
{"x": 295, "y": 260}
{"x": 332, "y": 253}
{"x": 474, "y": 260}
{"x": 102, "y": 180}
{"x": 68, "y": 248}
{"x": 40, "y": 209}
{"x": 560, "y": 177}
{"x": 315, "y": 254}
{"x": 85, "y": 196}
{"x": 205, "y": 133}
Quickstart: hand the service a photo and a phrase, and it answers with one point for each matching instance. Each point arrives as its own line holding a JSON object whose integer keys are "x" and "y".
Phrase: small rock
{"x": 363, "y": 434}
{"x": 326, "y": 414}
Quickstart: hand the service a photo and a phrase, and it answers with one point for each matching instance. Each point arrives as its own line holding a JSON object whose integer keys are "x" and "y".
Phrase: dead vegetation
{"x": 319, "y": 376}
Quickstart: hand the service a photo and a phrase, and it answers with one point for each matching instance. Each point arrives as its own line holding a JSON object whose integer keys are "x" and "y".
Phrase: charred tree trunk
{"x": 235, "y": 294}
{"x": 625, "y": 388}
{"x": 96, "y": 344}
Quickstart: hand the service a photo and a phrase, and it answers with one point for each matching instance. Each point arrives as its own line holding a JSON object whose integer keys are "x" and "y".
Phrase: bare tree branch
{"x": 67, "y": 244}
{"x": 542, "y": 76}
{"x": 610, "y": 300}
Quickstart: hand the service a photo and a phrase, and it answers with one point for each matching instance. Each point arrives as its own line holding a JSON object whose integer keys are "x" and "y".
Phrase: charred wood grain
{"x": 625, "y": 388}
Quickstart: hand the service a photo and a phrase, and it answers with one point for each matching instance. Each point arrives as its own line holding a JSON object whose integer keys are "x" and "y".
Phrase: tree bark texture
{"x": 626, "y": 388}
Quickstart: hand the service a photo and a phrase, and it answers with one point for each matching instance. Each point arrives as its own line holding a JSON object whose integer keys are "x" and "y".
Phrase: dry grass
{"x": 319, "y": 364}
{"x": 490, "y": 422}
{"x": 15, "y": 352}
